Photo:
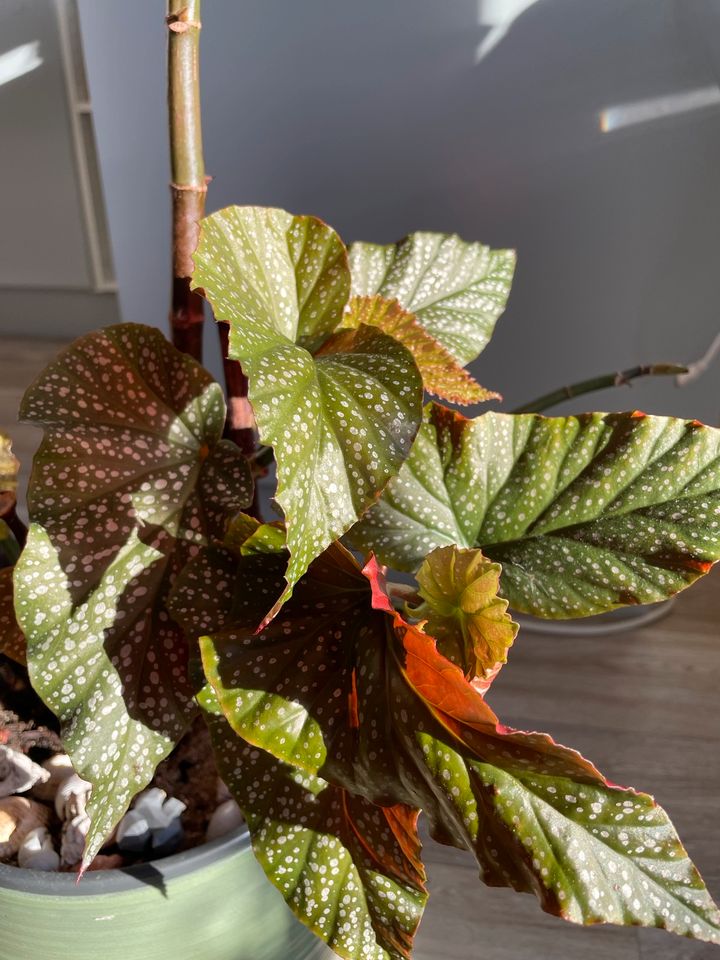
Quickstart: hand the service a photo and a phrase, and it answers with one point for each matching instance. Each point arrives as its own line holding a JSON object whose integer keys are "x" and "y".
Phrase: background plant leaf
{"x": 12, "y": 641}
{"x": 457, "y": 290}
{"x": 463, "y": 611}
{"x": 442, "y": 375}
{"x": 131, "y": 478}
{"x": 584, "y": 513}
{"x": 341, "y": 423}
{"x": 365, "y": 701}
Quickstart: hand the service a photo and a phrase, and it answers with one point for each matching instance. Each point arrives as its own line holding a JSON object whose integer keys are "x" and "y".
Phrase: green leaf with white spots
{"x": 12, "y": 641}
{"x": 463, "y": 611}
{"x": 131, "y": 479}
{"x": 584, "y": 513}
{"x": 340, "y": 410}
{"x": 457, "y": 290}
{"x": 442, "y": 375}
{"x": 365, "y": 701}
{"x": 349, "y": 870}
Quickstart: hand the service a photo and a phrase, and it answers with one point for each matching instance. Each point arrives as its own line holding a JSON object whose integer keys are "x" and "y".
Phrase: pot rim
{"x": 156, "y": 873}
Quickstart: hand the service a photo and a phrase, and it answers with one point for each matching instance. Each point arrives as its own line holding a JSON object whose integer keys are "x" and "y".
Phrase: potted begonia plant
{"x": 149, "y": 593}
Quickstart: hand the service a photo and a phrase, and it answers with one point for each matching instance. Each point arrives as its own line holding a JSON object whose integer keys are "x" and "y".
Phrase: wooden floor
{"x": 642, "y": 705}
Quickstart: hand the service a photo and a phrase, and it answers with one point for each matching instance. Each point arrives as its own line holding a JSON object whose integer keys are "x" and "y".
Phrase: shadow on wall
{"x": 483, "y": 117}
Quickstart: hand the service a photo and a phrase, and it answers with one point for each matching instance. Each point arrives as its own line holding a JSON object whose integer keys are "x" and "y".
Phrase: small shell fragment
{"x": 153, "y": 821}
{"x": 59, "y": 767}
{"x": 226, "y": 817}
{"x": 74, "y": 835}
{"x": 18, "y": 773}
{"x": 72, "y": 797}
{"x": 36, "y": 852}
{"x": 18, "y": 817}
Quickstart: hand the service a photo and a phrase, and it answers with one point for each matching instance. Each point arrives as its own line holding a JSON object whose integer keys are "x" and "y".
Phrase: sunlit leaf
{"x": 340, "y": 423}
{"x": 9, "y": 466}
{"x": 350, "y": 870}
{"x": 442, "y": 375}
{"x": 584, "y": 513}
{"x": 12, "y": 641}
{"x": 457, "y": 290}
{"x": 463, "y": 611}
{"x": 365, "y": 701}
{"x": 132, "y": 477}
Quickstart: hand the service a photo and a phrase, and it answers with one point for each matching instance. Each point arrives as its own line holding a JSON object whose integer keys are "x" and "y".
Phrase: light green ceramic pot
{"x": 210, "y": 903}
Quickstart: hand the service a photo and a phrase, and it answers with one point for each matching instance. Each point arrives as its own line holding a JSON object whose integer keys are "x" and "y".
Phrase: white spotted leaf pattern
{"x": 457, "y": 290}
{"x": 353, "y": 694}
{"x": 339, "y": 409}
{"x": 131, "y": 479}
{"x": 442, "y": 375}
{"x": 584, "y": 513}
{"x": 350, "y": 870}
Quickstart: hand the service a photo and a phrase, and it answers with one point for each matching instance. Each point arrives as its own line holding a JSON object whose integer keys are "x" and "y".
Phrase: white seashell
{"x": 157, "y": 808}
{"x": 37, "y": 852}
{"x": 222, "y": 792}
{"x": 18, "y": 773}
{"x": 59, "y": 769}
{"x": 18, "y": 817}
{"x": 72, "y": 797}
{"x": 72, "y": 844}
{"x": 226, "y": 817}
{"x": 133, "y": 832}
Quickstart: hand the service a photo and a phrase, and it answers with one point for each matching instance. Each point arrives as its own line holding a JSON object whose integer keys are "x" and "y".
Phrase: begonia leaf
{"x": 339, "y": 409}
{"x": 442, "y": 375}
{"x": 365, "y": 701}
{"x": 12, "y": 641}
{"x": 457, "y": 290}
{"x": 463, "y": 611}
{"x": 131, "y": 479}
{"x": 9, "y": 466}
{"x": 350, "y": 870}
{"x": 584, "y": 513}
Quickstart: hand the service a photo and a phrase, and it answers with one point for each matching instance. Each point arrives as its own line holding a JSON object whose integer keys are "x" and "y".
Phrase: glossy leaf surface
{"x": 463, "y": 610}
{"x": 457, "y": 290}
{"x": 340, "y": 423}
{"x": 365, "y": 701}
{"x": 584, "y": 513}
{"x": 131, "y": 478}
{"x": 442, "y": 375}
{"x": 350, "y": 870}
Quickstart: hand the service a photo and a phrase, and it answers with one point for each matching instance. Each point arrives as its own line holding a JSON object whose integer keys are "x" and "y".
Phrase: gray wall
{"x": 378, "y": 117}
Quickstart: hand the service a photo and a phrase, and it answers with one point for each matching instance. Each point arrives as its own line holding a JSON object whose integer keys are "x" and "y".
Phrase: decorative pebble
{"x": 59, "y": 768}
{"x": 227, "y": 817}
{"x": 18, "y": 773}
{"x": 153, "y": 821}
{"x": 18, "y": 817}
{"x": 74, "y": 834}
{"x": 37, "y": 852}
{"x": 72, "y": 797}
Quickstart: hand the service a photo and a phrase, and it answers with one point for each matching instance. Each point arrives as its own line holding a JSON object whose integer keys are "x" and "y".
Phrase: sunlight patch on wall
{"x": 19, "y": 61}
{"x": 657, "y": 108}
{"x": 499, "y": 16}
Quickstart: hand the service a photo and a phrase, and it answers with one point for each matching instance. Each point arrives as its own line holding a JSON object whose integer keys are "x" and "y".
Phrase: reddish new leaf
{"x": 442, "y": 374}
